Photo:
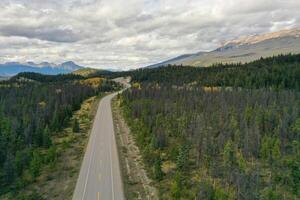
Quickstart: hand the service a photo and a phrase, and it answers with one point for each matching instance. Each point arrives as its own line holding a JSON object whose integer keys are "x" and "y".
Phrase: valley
{"x": 150, "y": 100}
{"x": 229, "y": 131}
{"x": 220, "y": 125}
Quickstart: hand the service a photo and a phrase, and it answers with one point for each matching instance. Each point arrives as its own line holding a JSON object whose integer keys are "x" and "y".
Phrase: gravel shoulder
{"x": 137, "y": 184}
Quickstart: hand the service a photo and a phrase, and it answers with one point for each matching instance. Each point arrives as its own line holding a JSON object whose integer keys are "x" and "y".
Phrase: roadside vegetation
{"x": 226, "y": 132}
{"x": 137, "y": 184}
{"x": 42, "y": 118}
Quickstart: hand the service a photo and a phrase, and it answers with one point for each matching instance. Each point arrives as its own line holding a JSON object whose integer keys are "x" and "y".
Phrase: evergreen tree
{"x": 46, "y": 138}
{"x": 183, "y": 158}
{"x": 177, "y": 186}
{"x": 9, "y": 169}
{"x": 158, "y": 173}
{"x": 76, "y": 128}
{"x": 229, "y": 156}
{"x": 270, "y": 149}
{"x": 35, "y": 164}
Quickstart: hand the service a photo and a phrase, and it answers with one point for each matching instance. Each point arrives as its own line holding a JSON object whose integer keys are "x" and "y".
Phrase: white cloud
{"x": 132, "y": 33}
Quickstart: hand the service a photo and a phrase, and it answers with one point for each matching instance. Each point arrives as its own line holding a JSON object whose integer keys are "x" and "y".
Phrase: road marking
{"x": 111, "y": 172}
{"x": 93, "y": 152}
{"x": 99, "y": 176}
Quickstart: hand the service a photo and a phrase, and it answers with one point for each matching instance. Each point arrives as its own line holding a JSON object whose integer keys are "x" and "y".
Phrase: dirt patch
{"x": 137, "y": 185}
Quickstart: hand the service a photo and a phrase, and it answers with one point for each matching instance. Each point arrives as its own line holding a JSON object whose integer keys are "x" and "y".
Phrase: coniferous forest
{"x": 226, "y": 132}
{"x": 281, "y": 72}
{"x": 33, "y": 108}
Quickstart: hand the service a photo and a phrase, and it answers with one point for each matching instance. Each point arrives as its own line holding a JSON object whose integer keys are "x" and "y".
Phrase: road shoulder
{"x": 137, "y": 185}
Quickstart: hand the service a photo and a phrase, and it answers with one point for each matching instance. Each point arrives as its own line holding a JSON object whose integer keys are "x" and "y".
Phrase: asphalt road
{"x": 100, "y": 176}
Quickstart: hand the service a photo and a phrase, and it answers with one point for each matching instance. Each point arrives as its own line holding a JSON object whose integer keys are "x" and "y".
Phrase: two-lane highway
{"x": 100, "y": 177}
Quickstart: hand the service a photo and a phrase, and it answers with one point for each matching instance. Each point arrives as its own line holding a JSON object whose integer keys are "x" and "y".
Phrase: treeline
{"x": 237, "y": 144}
{"x": 30, "y": 113}
{"x": 45, "y": 78}
{"x": 275, "y": 72}
{"x": 278, "y": 72}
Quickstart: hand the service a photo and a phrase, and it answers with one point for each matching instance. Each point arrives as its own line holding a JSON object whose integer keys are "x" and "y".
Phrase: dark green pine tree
{"x": 76, "y": 127}
{"x": 183, "y": 157}
{"x": 46, "y": 138}
{"x": 158, "y": 173}
{"x": 35, "y": 164}
{"x": 9, "y": 169}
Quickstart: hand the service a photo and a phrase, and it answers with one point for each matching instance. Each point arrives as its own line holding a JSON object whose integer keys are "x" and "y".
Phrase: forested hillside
{"x": 279, "y": 72}
{"x": 240, "y": 140}
{"x": 274, "y": 72}
{"x": 33, "y": 108}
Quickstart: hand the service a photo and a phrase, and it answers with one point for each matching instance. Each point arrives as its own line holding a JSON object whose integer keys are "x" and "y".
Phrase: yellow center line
{"x": 98, "y": 196}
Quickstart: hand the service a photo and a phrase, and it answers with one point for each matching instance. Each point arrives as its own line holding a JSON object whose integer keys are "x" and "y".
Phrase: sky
{"x": 127, "y": 34}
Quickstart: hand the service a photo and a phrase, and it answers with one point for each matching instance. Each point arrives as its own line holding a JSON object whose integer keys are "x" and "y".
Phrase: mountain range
{"x": 13, "y": 68}
{"x": 243, "y": 49}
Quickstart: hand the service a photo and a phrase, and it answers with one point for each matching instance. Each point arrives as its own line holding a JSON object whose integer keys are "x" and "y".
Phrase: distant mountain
{"x": 171, "y": 61}
{"x": 4, "y": 78}
{"x": 13, "y": 68}
{"x": 244, "y": 49}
